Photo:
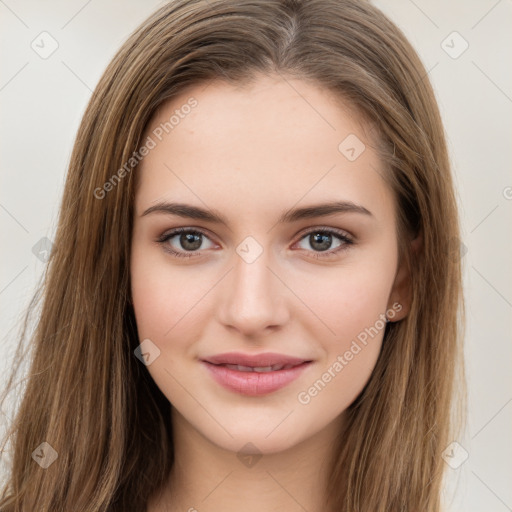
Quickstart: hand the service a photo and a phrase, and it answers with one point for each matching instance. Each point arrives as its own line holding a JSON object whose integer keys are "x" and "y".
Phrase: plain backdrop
{"x": 466, "y": 47}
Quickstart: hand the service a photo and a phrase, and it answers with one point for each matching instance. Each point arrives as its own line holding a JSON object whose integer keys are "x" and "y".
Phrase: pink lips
{"x": 257, "y": 374}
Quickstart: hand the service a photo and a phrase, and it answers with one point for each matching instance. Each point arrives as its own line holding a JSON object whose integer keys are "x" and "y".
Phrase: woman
{"x": 253, "y": 297}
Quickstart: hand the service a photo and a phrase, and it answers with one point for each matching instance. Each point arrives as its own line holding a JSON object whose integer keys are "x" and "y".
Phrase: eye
{"x": 189, "y": 239}
{"x": 321, "y": 241}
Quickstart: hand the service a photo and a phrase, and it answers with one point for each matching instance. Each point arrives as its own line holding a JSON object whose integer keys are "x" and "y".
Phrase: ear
{"x": 401, "y": 293}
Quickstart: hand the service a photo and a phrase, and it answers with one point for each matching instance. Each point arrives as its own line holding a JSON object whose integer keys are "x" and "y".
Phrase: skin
{"x": 251, "y": 153}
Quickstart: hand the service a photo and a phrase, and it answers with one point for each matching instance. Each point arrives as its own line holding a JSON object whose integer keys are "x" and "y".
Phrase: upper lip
{"x": 255, "y": 360}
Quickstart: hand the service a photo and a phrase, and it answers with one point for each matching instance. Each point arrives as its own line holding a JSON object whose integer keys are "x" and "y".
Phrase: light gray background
{"x": 42, "y": 101}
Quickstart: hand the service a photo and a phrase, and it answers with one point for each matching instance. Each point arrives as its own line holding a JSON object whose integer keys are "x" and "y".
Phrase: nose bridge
{"x": 253, "y": 295}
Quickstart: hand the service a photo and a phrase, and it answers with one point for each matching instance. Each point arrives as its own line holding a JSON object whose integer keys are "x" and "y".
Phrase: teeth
{"x": 258, "y": 369}
{"x": 262, "y": 369}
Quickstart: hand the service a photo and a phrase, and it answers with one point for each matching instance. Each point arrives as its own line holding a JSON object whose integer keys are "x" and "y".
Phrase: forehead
{"x": 271, "y": 141}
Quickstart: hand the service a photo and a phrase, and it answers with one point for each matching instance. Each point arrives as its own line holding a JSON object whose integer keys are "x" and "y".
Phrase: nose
{"x": 252, "y": 300}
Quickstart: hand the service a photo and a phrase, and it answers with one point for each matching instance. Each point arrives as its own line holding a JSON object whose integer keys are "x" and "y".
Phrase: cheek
{"x": 352, "y": 304}
{"x": 170, "y": 302}
{"x": 346, "y": 301}
{"x": 156, "y": 305}
{"x": 362, "y": 298}
{"x": 354, "y": 309}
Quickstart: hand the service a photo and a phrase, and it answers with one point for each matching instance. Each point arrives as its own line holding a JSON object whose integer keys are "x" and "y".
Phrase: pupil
{"x": 322, "y": 241}
{"x": 193, "y": 239}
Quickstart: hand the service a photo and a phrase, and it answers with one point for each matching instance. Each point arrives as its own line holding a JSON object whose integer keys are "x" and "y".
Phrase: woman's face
{"x": 252, "y": 168}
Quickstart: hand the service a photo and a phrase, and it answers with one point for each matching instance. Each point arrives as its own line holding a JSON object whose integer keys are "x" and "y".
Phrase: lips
{"x": 256, "y": 374}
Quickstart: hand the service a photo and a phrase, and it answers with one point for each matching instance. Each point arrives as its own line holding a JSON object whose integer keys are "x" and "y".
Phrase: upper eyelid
{"x": 336, "y": 231}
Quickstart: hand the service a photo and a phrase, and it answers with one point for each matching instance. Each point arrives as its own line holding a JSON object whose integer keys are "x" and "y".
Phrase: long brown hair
{"x": 90, "y": 398}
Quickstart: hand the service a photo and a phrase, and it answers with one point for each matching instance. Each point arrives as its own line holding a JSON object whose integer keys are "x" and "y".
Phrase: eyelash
{"x": 347, "y": 241}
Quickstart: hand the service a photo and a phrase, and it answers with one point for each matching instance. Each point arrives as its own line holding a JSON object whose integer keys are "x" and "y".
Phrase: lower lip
{"x": 254, "y": 383}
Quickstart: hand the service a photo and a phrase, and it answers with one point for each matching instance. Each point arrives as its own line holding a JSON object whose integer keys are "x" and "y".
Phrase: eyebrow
{"x": 292, "y": 215}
